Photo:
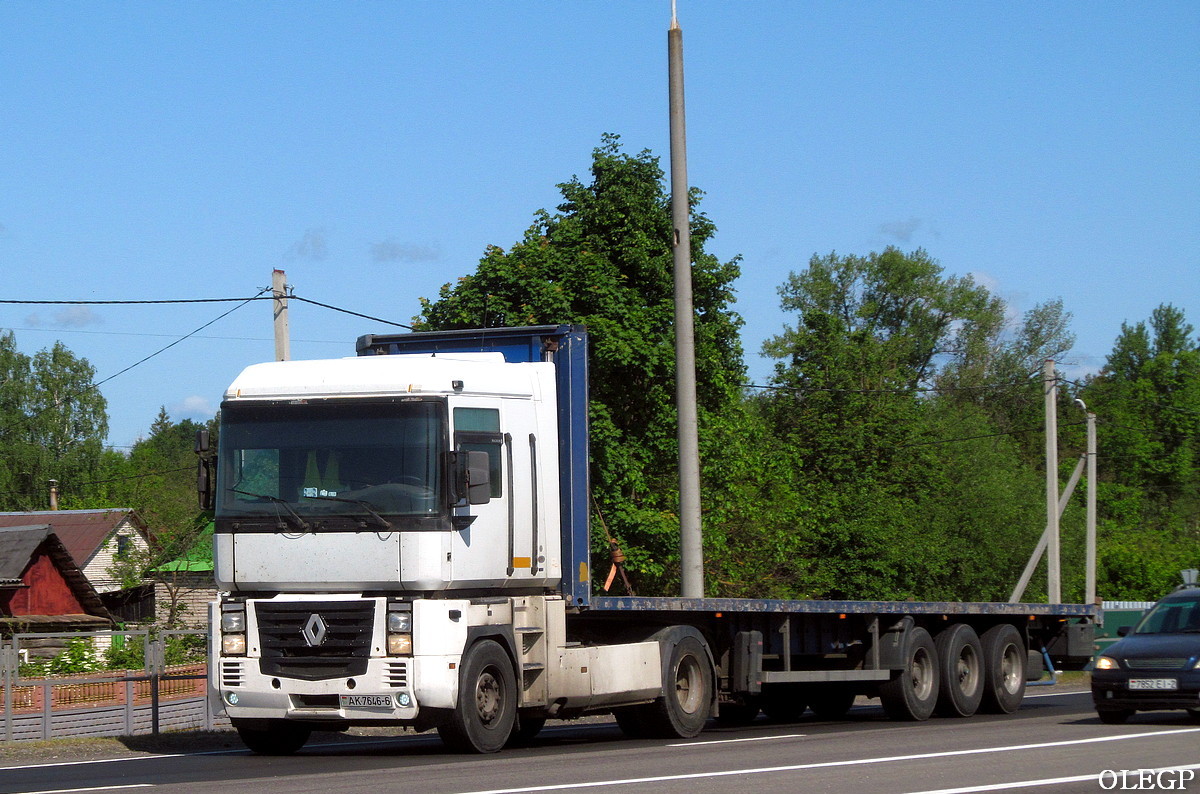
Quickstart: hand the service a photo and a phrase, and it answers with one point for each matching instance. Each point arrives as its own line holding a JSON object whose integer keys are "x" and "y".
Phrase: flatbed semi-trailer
{"x": 403, "y": 538}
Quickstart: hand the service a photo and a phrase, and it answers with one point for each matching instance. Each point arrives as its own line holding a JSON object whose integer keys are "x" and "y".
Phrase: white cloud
{"x": 194, "y": 407}
{"x": 77, "y": 317}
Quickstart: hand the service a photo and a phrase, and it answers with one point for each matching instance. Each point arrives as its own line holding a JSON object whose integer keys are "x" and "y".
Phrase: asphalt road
{"x": 1053, "y": 744}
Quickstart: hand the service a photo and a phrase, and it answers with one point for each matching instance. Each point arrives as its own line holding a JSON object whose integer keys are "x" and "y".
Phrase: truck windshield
{"x": 307, "y": 461}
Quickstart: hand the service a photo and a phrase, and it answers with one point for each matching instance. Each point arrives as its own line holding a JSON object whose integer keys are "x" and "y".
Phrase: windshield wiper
{"x": 383, "y": 522}
{"x": 300, "y": 522}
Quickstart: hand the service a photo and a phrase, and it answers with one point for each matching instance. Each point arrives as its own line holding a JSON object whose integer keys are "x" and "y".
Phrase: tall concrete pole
{"x": 691, "y": 542}
{"x": 283, "y": 350}
{"x": 1054, "y": 570}
{"x": 1090, "y": 587}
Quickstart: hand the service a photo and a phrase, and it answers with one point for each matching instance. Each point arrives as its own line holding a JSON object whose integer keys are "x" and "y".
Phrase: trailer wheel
{"x": 960, "y": 667}
{"x": 1004, "y": 661}
{"x": 687, "y": 693}
{"x": 279, "y": 737}
{"x": 487, "y": 701}
{"x": 831, "y": 703}
{"x": 912, "y": 694}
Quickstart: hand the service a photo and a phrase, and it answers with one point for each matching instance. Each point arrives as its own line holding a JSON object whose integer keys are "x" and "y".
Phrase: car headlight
{"x": 1107, "y": 663}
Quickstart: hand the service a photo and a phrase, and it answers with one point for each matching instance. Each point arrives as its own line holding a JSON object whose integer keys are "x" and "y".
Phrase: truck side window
{"x": 478, "y": 430}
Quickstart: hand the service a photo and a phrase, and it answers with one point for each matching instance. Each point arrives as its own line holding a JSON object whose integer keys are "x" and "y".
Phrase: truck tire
{"x": 279, "y": 737}
{"x": 487, "y": 701}
{"x": 912, "y": 694}
{"x": 683, "y": 709}
{"x": 831, "y": 703}
{"x": 1004, "y": 660}
{"x": 960, "y": 668}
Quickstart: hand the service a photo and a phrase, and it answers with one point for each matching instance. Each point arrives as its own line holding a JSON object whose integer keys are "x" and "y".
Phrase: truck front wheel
{"x": 487, "y": 701}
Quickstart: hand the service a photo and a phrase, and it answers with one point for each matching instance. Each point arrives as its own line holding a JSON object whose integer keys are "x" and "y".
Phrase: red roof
{"x": 82, "y": 532}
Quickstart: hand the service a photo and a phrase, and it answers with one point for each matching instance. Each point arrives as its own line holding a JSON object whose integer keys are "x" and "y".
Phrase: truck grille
{"x": 314, "y": 640}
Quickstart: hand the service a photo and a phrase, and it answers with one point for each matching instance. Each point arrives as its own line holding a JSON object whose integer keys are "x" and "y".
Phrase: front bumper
{"x": 239, "y": 690}
{"x": 1110, "y": 690}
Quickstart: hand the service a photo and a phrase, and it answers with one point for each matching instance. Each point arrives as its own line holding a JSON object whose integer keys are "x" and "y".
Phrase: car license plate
{"x": 1153, "y": 683}
{"x": 366, "y": 701}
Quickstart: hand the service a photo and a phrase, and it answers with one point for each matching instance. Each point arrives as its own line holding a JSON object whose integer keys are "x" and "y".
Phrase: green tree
{"x": 54, "y": 424}
{"x": 885, "y": 394}
{"x": 160, "y": 484}
{"x": 604, "y": 259}
{"x": 1147, "y": 400}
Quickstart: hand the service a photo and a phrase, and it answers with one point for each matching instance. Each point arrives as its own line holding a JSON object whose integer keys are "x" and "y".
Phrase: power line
{"x": 258, "y": 297}
{"x": 169, "y": 336}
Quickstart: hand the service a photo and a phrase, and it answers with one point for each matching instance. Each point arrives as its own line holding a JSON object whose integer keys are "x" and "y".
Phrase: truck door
{"x": 501, "y": 544}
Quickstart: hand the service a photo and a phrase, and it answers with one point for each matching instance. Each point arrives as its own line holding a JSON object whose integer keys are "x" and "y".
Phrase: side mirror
{"x": 1124, "y": 630}
{"x": 472, "y": 481}
{"x": 204, "y": 471}
{"x": 479, "y": 478}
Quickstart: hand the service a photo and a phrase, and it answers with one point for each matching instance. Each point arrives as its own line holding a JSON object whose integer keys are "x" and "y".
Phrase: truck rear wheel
{"x": 912, "y": 694}
{"x": 1004, "y": 661}
{"x": 960, "y": 668}
{"x": 277, "y": 737}
{"x": 687, "y": 694}
{"x": 487, "y": 701}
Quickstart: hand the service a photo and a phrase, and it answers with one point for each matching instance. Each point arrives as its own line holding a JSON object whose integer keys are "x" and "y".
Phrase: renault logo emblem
{"x": 314, "y": 630}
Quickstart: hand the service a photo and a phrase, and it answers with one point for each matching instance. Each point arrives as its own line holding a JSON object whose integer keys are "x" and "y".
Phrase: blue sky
{"x": 373, "y": 149}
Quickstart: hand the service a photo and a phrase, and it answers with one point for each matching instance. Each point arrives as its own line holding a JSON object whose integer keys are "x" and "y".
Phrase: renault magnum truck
{"x": 402, "y": 539}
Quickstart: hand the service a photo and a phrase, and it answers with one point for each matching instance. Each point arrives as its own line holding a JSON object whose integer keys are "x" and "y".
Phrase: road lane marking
{"x": 731, "y": 741}
{"x": 91, "y": 788}
{"x": 1057, "y": 694}
{"x": 1049, "y": 781}
{"x": 829, "y": 764}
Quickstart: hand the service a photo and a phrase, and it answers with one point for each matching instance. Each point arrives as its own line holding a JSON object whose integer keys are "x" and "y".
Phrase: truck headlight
{"x": 1107, "y": 663}
{"x": 233, "y": 621}
{"x": 233, "y": 644}
{"x": 400, "y": 622}
{"x": 399, "y": 645}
